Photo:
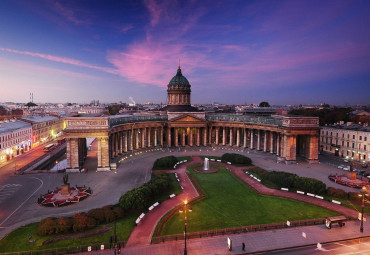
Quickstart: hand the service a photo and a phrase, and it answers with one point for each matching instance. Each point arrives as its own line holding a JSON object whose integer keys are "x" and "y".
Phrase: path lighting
{"x": 185, "y": 210}
{"x": 363, "y": 194}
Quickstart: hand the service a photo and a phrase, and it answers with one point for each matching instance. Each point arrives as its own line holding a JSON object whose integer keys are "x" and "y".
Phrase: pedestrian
{"x": 243, "y": 246}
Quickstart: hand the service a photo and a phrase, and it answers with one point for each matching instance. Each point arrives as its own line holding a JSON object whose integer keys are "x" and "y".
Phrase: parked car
{"x": 341, "y": 166}
{"x": 346, "y": 168}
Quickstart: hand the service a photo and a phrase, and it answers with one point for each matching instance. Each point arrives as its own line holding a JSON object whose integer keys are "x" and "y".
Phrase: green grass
{"x": 18, "y": 239}
{"x": 230, "y": 203}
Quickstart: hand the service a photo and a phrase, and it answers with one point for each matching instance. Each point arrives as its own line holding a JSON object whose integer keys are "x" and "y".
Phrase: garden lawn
{"x": 18, "y": 239}
{"x": 230, "y": 203}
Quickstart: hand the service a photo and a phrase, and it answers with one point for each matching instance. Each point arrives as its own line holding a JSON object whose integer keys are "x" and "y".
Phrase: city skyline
{"x": 285, "y": 52}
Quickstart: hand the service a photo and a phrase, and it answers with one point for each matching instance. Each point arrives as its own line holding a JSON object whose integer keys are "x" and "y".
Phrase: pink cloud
{"x": 61, "y": 60}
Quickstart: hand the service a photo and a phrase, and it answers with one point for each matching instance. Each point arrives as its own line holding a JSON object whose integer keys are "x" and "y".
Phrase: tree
{"x": 264, "y": 104}
{"x": 30, "y": 104}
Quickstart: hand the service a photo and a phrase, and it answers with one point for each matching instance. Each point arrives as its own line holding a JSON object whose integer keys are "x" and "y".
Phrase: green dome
{"x": 179, "y": 79}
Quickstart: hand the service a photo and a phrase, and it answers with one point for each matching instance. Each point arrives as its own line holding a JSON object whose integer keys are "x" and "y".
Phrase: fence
{"x": 66, "y": 250}
{"x": 238, "y": 230}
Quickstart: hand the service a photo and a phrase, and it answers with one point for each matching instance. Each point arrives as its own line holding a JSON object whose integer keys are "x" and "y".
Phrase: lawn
{"x": 230, "y": 203}
{"x": 18, "y": 239}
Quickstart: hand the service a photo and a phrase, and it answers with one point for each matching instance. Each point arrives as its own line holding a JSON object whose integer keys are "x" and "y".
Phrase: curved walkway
{"x": 142, "y": 233}
{"x": 262, "y": 189}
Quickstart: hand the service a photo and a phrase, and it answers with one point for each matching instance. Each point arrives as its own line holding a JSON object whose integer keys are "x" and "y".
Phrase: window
{"x": 353, "y": 145}
{"x": 348, "y": 136}
{"x": 353, "y": 154}
{"x": 364, "y": 147}
{"x": 342, "y": 143}
{"x": 365, "y": 138}
{"x": 347, "y": 144}
{"x": 326, "y": 132}
{"x": 360, "y": 137}
{"x": 343, "y": 135}
{"x": 331, "y": 133}
{"x": 337, "y": 134}
{"x": 353, "y": 136}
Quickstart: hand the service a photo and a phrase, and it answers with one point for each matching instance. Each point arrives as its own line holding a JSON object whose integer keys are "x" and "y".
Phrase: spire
{"x": 179, "y": 64}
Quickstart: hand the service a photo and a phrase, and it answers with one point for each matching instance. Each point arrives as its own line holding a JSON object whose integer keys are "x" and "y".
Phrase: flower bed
{"x": 56, "y": 199}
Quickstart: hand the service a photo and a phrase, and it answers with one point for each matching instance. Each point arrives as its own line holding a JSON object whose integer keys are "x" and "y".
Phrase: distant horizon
{"x": 283, "y": 52}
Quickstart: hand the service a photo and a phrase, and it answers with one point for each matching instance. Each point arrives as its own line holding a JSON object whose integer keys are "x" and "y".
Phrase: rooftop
{"x": 7, "y": 127}
{"x": 39, "y": 119}
{"x": 350, "y": 126}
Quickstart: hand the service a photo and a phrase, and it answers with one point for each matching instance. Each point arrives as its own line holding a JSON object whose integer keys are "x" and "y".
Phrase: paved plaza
{"x": 19, "y": 194}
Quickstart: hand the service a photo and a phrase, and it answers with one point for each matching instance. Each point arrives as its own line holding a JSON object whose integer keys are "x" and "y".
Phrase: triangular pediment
{"x": 187, "y": 118}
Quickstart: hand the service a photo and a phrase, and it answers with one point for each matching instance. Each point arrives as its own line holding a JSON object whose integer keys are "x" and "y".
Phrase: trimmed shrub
{"x": 97, "y": 214}
{"x": 165, "y": 163}
{"x": 64, "y": 225}
{"x": 118, "y": 212}
{"x": 82, "y": 222}
{"x": 354, "y": 196}
{"x": 282, "y": 179}
{"x": 109, "y": 214}
{"x": 47, "y": 226}
{"x": 339, "y": 193}
{"x": 236, "y": 159}
{"x": 139, "y": 198}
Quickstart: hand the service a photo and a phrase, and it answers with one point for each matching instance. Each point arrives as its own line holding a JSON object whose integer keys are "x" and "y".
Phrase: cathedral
{"x": 182, "y": 125}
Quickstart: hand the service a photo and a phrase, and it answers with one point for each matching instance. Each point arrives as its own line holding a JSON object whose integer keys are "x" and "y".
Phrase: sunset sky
{"x": 284, "y": 52}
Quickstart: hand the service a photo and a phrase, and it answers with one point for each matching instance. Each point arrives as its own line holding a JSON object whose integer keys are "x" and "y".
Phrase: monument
{"x": 65, "y": 187}
{"x": 206, "y": 164}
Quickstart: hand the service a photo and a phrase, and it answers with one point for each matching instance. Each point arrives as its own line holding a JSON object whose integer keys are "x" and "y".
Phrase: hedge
{"x": 236, "y": 159}
{"x": 165, "y": 163}
{"x": 140, "y": 198}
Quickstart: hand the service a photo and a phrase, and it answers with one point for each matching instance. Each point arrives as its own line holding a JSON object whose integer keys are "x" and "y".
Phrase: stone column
{"x": 198, "y": 136}
{"x": 155, "y": 136}
{"x": 265, "y": 142}
{"x": 136, "y": 138}
{"x": 125, "y": 138}
{"x": 314, "y": 149}
{"x": 169, "y": 137}
{"x": 245, "y": 138}
{"x": 237, "y": 137}
{"x": 116, "y": 143}
{"x": 205, "y": 136}
{"x": 183, "y": 136}
{"x": 191, "y": 137}
{"x": 149, "y": 137}
{"x": 251, "y": 147}
{"x": 103, "y": 154}
{"x": 131, "y": 140}
{"x": 72, "y": 153}
{"x": 223, "y": 136}
{"x": 217, "y": 135}
{"x": 120, "y": 137}
{"x": 278, "y": 144}
{"x": 143, "y": 134}
{"x": 258, "y": 139}
{"x": 210, "y": 135}
{"x": 291, "y": 149}
{"x": 283, "y": 143}
{"x": 271, "y": 142}
{"x": 176, "y": 137}
{"x": 231, "y": 137}
{"x": 161, "y": 136}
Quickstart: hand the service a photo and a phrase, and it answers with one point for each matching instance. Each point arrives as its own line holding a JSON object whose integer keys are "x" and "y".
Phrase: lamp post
{"x": 185, "y": 223}
{"x": 363, "y": 194}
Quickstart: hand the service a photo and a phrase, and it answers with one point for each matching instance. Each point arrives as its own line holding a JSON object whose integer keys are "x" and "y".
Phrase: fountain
{"x": 206, "y": 164}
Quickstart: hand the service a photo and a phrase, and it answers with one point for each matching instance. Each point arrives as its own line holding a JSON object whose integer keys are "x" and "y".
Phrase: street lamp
{"x": 363, "y": 194}
{"x": 185, "y": 223}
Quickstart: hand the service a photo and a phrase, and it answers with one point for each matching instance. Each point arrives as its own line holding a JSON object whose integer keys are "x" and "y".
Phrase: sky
{"x": 232, "y": 52}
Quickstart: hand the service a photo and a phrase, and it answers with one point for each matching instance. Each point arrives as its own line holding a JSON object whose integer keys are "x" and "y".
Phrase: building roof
{"x": 350, "y": 126}
{"x": 180, "y": 108}
{"x": 7, "y": 127}
{"x": 39, "y": 119}
{"x": 179, "y": 79}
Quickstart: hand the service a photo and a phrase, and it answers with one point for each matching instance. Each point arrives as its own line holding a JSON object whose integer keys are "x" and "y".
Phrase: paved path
{"x": 142, "y": 233}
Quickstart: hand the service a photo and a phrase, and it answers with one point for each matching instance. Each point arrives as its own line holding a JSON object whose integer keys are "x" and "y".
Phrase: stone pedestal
{"x": 65, "y": 190}
{"x": 351, "y": 176}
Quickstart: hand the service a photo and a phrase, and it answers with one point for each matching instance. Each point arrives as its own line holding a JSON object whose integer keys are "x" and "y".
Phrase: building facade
{"x": 15, "y": 139}
{"x": 44, "y": 128}
{"x": 288, "y": 137}
{"x": 347, "y": 140}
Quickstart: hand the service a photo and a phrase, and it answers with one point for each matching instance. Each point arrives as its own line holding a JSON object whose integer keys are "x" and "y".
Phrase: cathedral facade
{"x": 183, "y": 125}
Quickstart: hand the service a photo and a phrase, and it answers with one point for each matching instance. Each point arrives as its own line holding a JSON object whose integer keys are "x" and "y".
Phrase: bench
{"x": 335, "y": 219}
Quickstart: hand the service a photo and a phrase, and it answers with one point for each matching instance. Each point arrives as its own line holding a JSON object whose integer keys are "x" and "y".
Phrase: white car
{"x": 340, "y": 166}
{"x": 346, "y": 168}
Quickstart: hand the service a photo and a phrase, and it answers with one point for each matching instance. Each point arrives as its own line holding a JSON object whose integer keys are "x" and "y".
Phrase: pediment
{"x": 187, "y": 118}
